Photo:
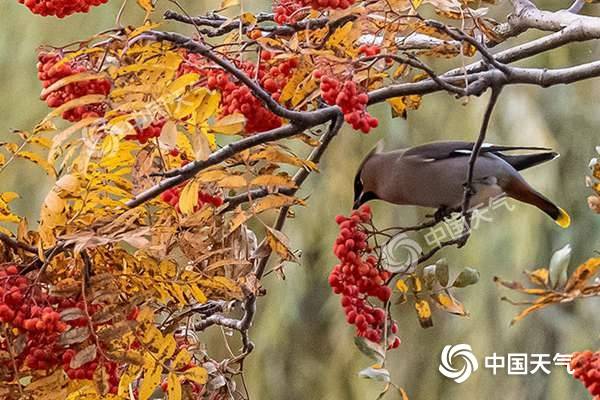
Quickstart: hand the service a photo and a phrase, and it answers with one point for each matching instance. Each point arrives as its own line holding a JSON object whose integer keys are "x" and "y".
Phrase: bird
{"x": 434, "y": 175}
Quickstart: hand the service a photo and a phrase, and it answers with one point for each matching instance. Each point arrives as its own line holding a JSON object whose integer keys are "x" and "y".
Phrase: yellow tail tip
{"x": 563, "y": 220}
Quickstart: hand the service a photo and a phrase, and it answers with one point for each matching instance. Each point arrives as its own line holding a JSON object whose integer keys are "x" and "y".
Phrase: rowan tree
{"x": 168, "y": 149}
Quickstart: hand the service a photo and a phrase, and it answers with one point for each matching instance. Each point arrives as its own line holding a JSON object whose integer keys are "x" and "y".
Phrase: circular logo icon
{"x": 401, "y": 253}
{"x": 452, "y": 352}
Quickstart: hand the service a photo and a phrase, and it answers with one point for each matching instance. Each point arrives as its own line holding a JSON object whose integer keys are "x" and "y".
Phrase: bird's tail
{"x": 520, "y": 190}
{"x": 524, "y": 161}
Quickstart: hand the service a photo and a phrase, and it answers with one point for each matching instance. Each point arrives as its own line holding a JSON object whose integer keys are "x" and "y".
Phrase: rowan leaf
{"x": 74, "y": 335}
{"x": 424, "y": 313}
{"x": 150, "y": 381}
{"x": 83, "y": 356}
{"x": 585, "y": 271}
{"x": 229, "y": 125}
{"x": 46, "y": 166}
{"x": 146, "y": 5}
{"x": 188, "y": 199}
{"x": 198, "y": 375}
{"x": 173, "y": 387}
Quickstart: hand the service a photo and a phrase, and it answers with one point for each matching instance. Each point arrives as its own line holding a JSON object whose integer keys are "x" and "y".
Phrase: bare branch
{"x": 468, "y": 186}
{"x": 299, "y": 179}
{"x": 15, "y": 244}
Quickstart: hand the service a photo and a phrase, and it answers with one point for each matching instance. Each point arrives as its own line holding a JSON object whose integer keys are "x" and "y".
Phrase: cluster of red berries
{"x": 60, "y": 8}
{"x": 369, "y": 50}
{"x": 586, "y": 368}
{"x": 171, "y": 196}
{"x": 153, "y": 130}
{"x": 87, "y": 370}
{"x": 348, "y": 97}
{"x": 238, "y": 98}
{"x": 284, "y": 9}
{"x": 357, "y": 278}
{"x": 324, "y": 4}
{"x": 51, "y": 70}
{"x": 275, "y": 76}
{"x": 29, "y": 311}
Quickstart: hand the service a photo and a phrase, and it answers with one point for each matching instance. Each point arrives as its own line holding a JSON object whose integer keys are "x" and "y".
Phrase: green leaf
{"x": 441, "y": 271}
{"x": 468, "y": 276}
{"x": 372, "y": 350}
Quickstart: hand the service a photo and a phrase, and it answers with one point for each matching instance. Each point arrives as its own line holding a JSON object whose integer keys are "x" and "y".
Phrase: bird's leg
{"x": 442, "y": 213}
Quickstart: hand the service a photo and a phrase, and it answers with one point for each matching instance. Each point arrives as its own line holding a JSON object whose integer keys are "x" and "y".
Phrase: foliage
{"x": 171, "y": 153}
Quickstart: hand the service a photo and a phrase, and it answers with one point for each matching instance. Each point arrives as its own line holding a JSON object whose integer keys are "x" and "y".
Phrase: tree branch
{"x": 199, "y": 48}
{"x": 15, "y": 244}
{"x": 180, "y": 175}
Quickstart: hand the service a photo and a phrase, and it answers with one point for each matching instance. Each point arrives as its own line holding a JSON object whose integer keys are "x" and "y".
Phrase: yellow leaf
{"x": 198, "y": 294}
{"x": 168, "y": 268}
{"x": 415, "y": 3}
{"x": 196, "y": 374}
{"x": 539, "y": 276}
{"x": 7, "y": 197}
{"x": 144, "y": 28}
{"x": 238, "y": 219}
{"x": 168, "y": 134}
{"x": 189, "y": 197}
{"x": 400, "y": 105}
{"x": 424, "y": 313}
{"x": 46, "y": 166}
{"x": 401, "y": 286}
{"x": 80, "y": 101}
{"x": 173, "y": 387}
{"x": 578, "y": 279}
{"x": 233, "y": 181}
{"x": 110, "y": 144}
{"x": 167, "y": 348}
{"x": 182, "y": 359}
{"x": 340, "y": 34}
{"x": 147, "y": 5}
{"x": 291, "y": 87}
{"x": 180, "y": 84}
{"x": 229, "y": 3}
{"x": 150, "y": 381}
{"x": 248, "y": 18}
{"x": 84, "y": 76}
{"x": 207, "y": 107}
{"x": 449, "y": 304}
{"x": 229, "y": 125}
{"x": 187, "y": 104}
{"x": 279, "y": 243}
{"x": 273, "y": 201}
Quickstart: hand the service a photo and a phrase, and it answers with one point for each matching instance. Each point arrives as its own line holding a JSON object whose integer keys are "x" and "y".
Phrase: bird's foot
{"x": 441, "y": 214}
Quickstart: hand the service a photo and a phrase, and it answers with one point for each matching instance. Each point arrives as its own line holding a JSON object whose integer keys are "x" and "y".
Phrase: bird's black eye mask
{"x": 361, "y": 198}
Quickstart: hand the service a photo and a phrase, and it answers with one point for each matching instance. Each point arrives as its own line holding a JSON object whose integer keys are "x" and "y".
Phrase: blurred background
{"x": 304, "y": 348}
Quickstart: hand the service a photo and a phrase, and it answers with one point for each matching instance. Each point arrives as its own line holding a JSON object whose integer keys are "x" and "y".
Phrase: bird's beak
{"x": 357, "y": 202}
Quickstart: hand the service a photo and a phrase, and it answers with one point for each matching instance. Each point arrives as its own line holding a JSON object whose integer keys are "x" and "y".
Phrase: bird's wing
{"x": 443, "y": 150}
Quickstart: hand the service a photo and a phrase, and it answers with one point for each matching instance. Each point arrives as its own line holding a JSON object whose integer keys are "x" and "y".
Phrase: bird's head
{"x": 360, "y": 195}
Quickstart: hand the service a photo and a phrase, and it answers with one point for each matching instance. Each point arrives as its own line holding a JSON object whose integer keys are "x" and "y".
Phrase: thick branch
{"x": 182, "y": 174}
{"x": 202, "y": 49}
{"x": 299, "y": 179}
{"x": 15, "y": 244}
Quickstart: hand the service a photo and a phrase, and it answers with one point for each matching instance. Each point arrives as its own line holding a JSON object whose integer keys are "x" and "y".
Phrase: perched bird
{"x": 434, "y": 174}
